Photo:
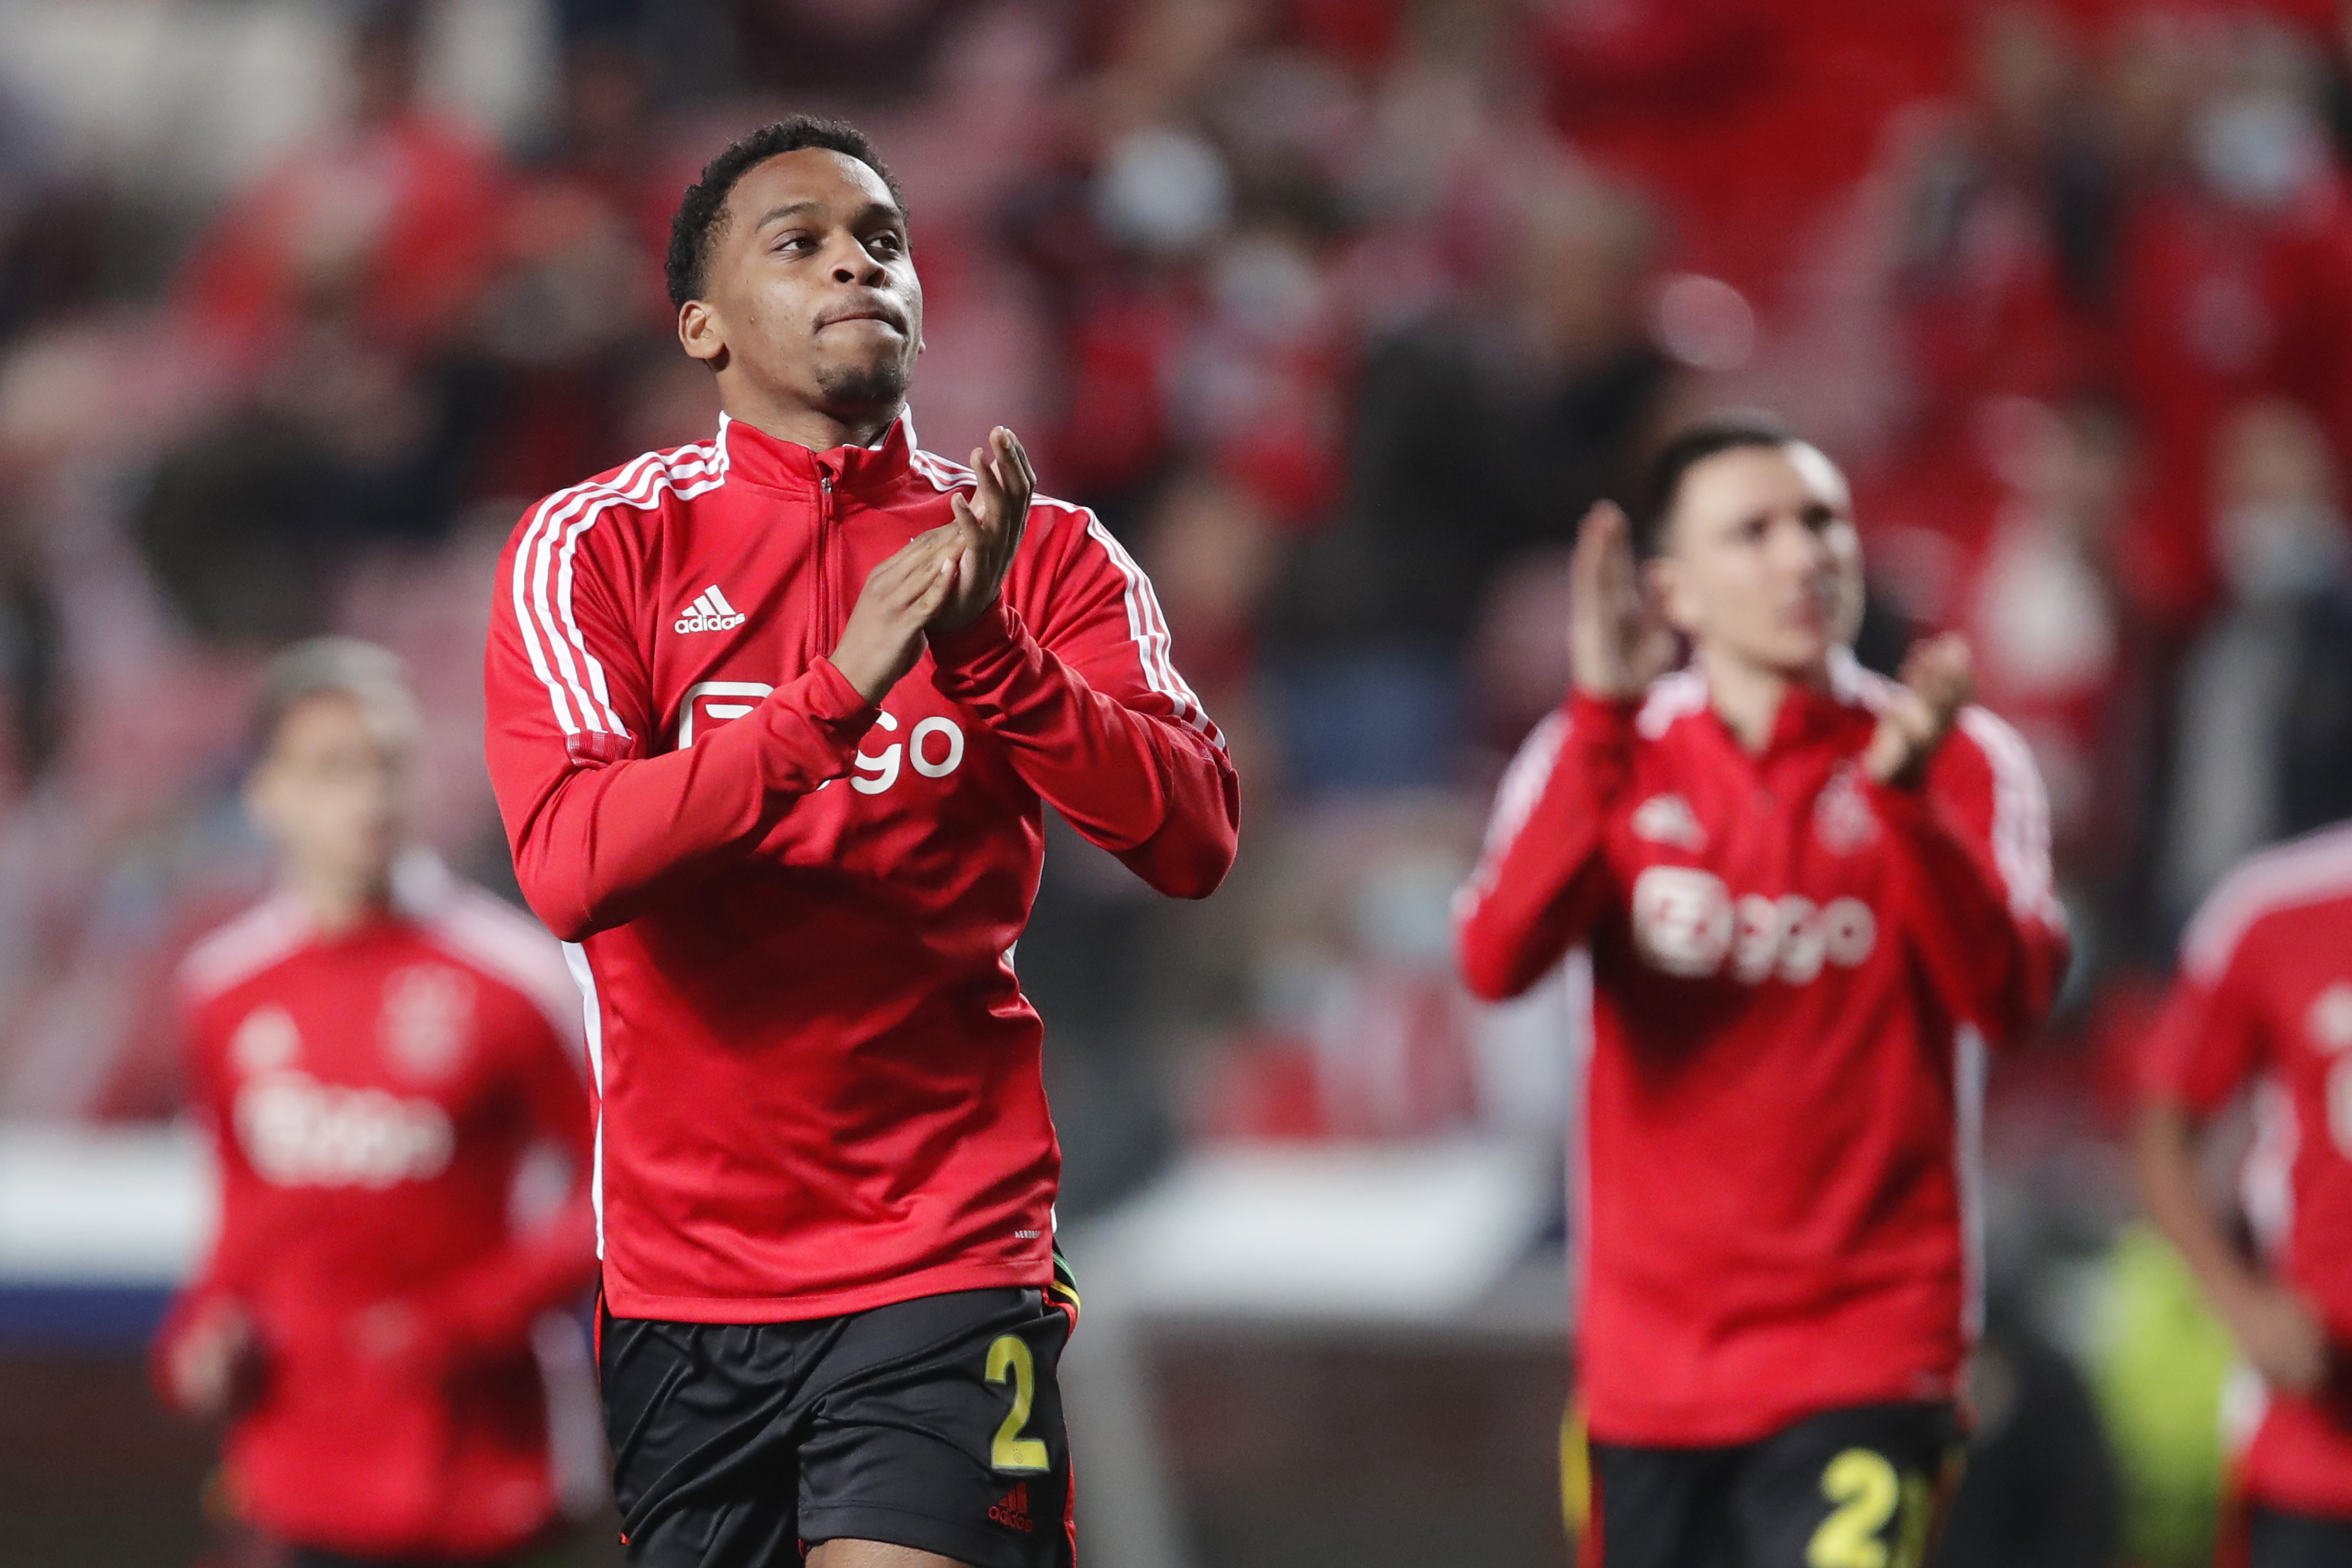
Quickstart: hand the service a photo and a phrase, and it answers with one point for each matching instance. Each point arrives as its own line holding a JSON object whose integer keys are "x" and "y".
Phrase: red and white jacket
{"x": 371, "y": 1097}
{"x": 2264, "y": 1004}
{"x": 794, "y": 914}
{"x": 1794, "y": 972}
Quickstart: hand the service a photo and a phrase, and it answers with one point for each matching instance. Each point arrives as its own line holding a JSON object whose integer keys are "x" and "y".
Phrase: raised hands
{"x": 901, "y": 596}
{"x": 1617, "y": 643}
{"x": 989, "y": 525}
{"x": 940, "y": 581}
{"x": 1938, "y": 677}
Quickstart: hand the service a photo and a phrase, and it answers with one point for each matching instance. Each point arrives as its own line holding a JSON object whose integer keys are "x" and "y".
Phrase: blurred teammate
{"x": 1810, "y": 896}
{"x": 2264, "y": 1002}
{"x": 773, "y": 721}
{"x": 374, "y": 1050}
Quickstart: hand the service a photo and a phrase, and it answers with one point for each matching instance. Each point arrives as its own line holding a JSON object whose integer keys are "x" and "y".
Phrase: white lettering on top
{"x": 299, "y": 1133}
{"x": 1686, "y": 923}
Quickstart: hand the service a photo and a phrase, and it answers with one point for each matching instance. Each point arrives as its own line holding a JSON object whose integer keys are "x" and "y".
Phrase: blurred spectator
{"x": 574, "y": 307}
{"x": 381, "y": 228}
{"x": 1359, "y": 1027}
{"x": 2003, "y": 257}
{"x": 2036, "y": 606}
{"x": 2264, "y": 734}
{"x": 2236, "y": 274}
{"x": 1486, "y": 429}
{"x": 877, "y": 50}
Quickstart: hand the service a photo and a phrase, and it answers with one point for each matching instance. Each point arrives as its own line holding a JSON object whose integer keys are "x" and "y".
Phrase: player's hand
{"x": 2281, "y": 1337}
{"x": 213, "y": 1365}
{"x": 1617, "y": 642}
{"x": 1938, "y": 677}
{"x": 884, "y": 634}
{"x": 991, "y": 524}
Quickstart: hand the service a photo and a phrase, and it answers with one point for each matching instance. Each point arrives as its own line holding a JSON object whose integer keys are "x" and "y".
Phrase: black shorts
{"x": 935, "y": 1423}
{"x": 1860, "y": 1487}
{"x": 2278, "y": 1540}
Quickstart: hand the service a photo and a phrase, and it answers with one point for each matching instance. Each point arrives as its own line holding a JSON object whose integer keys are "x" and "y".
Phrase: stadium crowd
{"x": 1340, "y": 312}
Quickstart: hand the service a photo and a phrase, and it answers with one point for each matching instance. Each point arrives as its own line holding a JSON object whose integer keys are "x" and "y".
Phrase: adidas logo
{"x": 1012, "y": 1509}
{"x": 710, "y": 612}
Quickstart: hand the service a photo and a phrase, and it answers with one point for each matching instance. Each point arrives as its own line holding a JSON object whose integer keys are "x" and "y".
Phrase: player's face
{"x": 1761, "y": 560}
{"x": 337, "y": 792}
{"x": 813, "y": 296}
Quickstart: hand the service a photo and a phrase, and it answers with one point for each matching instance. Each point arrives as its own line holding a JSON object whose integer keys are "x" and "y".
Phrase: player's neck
{"x": 1747, "y": 696}
{"x": 818, "y": 429}
{"x": 337, "y": 900}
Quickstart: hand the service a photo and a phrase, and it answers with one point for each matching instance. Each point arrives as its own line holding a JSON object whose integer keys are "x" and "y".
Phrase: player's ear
{"x": 701, "y": 334}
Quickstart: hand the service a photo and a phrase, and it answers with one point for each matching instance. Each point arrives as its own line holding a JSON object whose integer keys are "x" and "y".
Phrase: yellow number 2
{"x": 1008, "y": 1356}
{"x": 1867, "y": 1492}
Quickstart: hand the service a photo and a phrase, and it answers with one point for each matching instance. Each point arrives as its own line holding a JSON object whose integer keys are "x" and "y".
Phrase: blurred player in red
{"x": 1810, "y": 897}
{"x": 375, "y": 1050}
{"x": 2264, "y": 1004}
{"x": 774, "y": 722}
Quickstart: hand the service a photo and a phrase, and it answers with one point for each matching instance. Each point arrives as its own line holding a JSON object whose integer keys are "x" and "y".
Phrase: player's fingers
{"x": 988, "y": 497}
{"x": 969, "y": 526}
{"x": 1022, "y": 468}
{"x": 1943, "y": 672}
{"x": 1011, "y": 473}
{"x": 1588, "y": 561}
{"x": 910, "y": 556}
{"x": 938, "y": 586}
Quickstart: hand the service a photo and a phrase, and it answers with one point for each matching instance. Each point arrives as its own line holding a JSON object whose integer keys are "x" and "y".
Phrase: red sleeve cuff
{"x": 992, "y": 629}
{"x": 830, "y": 698}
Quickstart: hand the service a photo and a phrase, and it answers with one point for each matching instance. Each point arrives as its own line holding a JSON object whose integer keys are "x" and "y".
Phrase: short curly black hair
{"x": 702, "y": 211}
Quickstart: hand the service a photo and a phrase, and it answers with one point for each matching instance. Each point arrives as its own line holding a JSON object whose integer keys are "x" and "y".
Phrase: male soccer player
{"x": 2264, "y": 1000}
{"x": 375, "y": 1051}
{"x": 772, "y": 720}
{"x": 1810, "y": 896}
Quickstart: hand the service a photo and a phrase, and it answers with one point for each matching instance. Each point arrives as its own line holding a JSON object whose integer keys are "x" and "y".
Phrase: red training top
{"x": 1793, "y": 974}
{"x": 371, "y": 1096}
{"x": 2264, "y": 998}
{"x": 795, "y": 913}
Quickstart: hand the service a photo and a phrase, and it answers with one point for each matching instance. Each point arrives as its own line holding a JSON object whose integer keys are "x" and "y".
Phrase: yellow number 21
{"x": 1008, "y": 1356}
{"x": 1868, "y": 1492}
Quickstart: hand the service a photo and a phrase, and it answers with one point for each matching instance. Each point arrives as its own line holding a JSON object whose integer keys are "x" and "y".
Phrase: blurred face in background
{"x": 812, "y": 298}
{"x": 336, "y": 793}
{"x": 2278, "y": 528}
{"x": 1759, "y": 563}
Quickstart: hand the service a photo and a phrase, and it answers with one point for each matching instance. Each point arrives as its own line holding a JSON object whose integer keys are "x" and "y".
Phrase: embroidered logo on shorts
{"x": 1012, "y": 1509}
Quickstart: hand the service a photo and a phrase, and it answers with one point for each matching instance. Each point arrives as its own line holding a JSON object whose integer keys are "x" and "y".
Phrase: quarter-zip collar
{"x": 1808, "y": 715}
{"x": 868, "y": 473}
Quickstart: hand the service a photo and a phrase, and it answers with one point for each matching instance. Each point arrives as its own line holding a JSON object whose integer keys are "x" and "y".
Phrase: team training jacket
{"x": 794, "y": 914}
{"x": 1794, "y": 972}
{"x": 2264, "y": 1003}
{"x": 371, "y": 1096}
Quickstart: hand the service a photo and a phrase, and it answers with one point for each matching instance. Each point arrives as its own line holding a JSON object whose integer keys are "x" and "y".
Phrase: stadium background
{"x": 1340, "y": 311}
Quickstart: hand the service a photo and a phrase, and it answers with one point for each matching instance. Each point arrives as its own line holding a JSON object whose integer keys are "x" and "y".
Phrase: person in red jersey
{"x": 1810, "y": 897}
{"x": 2264, "y": 1003}
{"x": 376, "y": 1051}
{"x": 773, "y": 721}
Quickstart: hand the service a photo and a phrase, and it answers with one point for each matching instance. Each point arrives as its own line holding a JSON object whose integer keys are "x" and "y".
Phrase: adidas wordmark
{"x": 710, "y": 612}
